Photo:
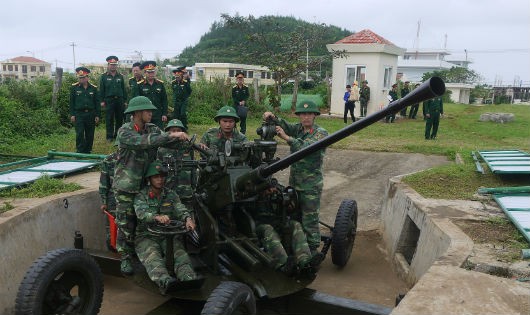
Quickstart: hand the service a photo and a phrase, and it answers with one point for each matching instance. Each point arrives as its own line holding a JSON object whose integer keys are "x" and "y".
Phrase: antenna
{"x": 73, "y": 52}
{"x": 417, "y": 39}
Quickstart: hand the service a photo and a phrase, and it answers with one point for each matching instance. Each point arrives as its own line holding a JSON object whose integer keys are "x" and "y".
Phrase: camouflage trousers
{"x": 272, "y": 243}
{"x": 151, "y": 252}
{"x": 126, "y": 221}
{"x": 309, "y": 201}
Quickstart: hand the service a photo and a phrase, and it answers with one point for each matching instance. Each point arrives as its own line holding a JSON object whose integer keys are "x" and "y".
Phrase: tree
{"x": 454, "y": 75}
{"x": 283, "y": 51}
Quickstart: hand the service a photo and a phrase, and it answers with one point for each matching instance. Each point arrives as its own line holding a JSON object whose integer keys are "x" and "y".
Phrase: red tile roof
{"x": 26, "y": 59}
{"x": 364, "y": 37}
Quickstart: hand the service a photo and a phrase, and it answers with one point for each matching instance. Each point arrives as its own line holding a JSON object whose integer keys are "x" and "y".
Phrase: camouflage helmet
{"x": 139, "y": 103}
{"x": 307, "y": 107}
{"x": 155, "y": 168}
{"x": 226, "y": 111}
{"x": 175, "y": 123}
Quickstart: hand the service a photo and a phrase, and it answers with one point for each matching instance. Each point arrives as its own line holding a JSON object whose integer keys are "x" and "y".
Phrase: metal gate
{"x": 507, "y": 161}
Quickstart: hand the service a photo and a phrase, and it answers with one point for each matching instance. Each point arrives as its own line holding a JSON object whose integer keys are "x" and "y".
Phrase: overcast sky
{"x": 495, "y": 34}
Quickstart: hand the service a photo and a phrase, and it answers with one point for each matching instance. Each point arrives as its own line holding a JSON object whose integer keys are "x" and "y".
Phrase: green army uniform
{"x": 214, "y": 137}
{"x": 106, "y": 192}
{"x": 85, "y": 107}
{"x": 306, "y": 175}
{"x": 433, "y": 108}
{"x": 404, "y": 91}
{"x": 181, "y": 93}
{"x": 112, "y": 92}
{"x": 133, "y": 82}
{"x": 151, "y": 248}
{"x": 155, "y": 92}
{"x": 137, "y": 148}
{"x": 364, "y": 97}
{"x": 393, "y": 94}
{"x": 241, "y": 94}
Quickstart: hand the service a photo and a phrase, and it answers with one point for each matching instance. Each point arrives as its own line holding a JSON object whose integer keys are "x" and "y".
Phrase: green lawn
{"x": 460, "y": 132}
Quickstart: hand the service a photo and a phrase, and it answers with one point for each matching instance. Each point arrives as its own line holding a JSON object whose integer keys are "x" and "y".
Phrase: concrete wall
{"x": 39, "y": 225}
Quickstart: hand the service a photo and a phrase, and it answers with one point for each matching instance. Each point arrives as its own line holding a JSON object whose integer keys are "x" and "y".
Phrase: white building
{"x": 370, "y": 57}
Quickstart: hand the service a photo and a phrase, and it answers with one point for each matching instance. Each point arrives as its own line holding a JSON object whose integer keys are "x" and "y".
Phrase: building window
{"x": 10, "y": 67}
{"x": 387, "y": 77}
{"x": 42, "y": 69}
{"x": 200, "y": 72}
{"x": 268, "y": 75}
{"x": 24, "y": 69}
{"x": 263, "y": 74}
{"x": 355, "y": 73}
{"x": 4, "y": 67}
{"x": 231, "y": 73}
{"x": 33, "y": 68}
{"x": 250, "y": 74}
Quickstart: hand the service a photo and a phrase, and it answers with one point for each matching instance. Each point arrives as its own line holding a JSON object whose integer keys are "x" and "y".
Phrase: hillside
{"x": 222, "y": 44}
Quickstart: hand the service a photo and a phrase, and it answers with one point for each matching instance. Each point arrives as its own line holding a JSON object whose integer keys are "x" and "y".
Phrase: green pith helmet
{"x": 307, "y": 107}
{"x": 154, "y": 168}
{"x": 139, "y": 103}
{"x": 175, "y": 123}
{"x": 226, "y": 111}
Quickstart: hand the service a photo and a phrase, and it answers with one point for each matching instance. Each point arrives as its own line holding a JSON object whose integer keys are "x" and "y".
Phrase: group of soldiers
{"x": 136, "y": 182}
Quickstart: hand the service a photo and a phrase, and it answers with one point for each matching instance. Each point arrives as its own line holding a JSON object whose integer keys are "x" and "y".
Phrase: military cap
{"x": 307, "y": 107}
{"x": 177, "y": 70}
{"x": 139, "y": 103}
{"x": 394, "y": 85}
{"x": 406, "y": 82}
{"x": 112, "y": 60}
{"x": 155, "y": 168}
{"x": 81, "y": 72}
{"x": 175, "y": 123}
{"x": 365, "y": 81}
{"x": 136, "y": 64}
{"x": 226, "y": 111}
{"x": 149, "y": 66}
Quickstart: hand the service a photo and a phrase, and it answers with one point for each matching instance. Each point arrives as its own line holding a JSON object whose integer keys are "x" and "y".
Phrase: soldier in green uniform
{"x": 404, "y": 91}
{"x": 113, "y": 97}
{"x": 138, "y": 142}
{"x": 392, "y": 97}
{"x": 181, "y": 92}
{"x": 154, "y": 89}
{"x": 137, "y": 76}
{"x": 364, "y": 94}
{"x": 178, "y": 179}
{"x": 433, "y": 109}
{"x": 240, "y": 96}
{"x": 414, "y": 108}
{"x": 108, "y": 201}
{"x": 85, "y": 110}
{"x": 305, "y": 175}
{"x": 155, "y": 204}
{"x": 215, "y": 138}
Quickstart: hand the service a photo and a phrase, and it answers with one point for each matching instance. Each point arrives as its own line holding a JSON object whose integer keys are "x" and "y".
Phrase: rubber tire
{"x": 71, "y": 268}
{"x": 229, "y": 298}
{"x": 344, "y": 231}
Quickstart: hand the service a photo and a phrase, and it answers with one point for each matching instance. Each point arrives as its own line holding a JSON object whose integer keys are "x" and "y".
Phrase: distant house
{"x": 24, "y": 68}
{"x": 370, "y": 57}
{"x": 414, "y": 63}
{"x": 208, "y": 71}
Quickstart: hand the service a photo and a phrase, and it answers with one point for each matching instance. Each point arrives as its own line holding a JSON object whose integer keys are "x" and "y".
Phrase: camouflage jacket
{"x": 105, "y": 180}
{"x": 214, "y": 138}
{"x": 147, "y": 206}
{"x": 137, "y": 148}
{"x": 364, "y": 93}
{"x": 305, "y": 174}
{"x": 179, "y": 179}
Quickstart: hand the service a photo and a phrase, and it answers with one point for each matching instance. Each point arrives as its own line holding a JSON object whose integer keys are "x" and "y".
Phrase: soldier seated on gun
{"x": 268, "y": 223}
{"x": 179, "y": 179}
{"x": 215, "y": 138}
{"x": 157, "y": 204}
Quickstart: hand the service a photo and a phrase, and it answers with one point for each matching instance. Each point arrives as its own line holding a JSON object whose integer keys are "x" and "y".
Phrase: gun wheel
{"x": 229, "y": 298}
{"x": 64, "y": 281}
{"x": 344, "y": 232}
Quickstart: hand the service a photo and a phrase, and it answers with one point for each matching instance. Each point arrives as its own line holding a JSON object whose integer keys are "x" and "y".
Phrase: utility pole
{"x": 73, "y": 52}
{"x": 307, "y": 60}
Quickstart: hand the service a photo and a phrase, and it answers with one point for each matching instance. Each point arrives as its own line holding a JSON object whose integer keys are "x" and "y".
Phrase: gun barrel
{"x": 429, "y": 89}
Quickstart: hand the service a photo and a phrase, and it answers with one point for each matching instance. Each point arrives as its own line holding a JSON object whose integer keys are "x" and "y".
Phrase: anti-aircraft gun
{"x": 233, "y": 182}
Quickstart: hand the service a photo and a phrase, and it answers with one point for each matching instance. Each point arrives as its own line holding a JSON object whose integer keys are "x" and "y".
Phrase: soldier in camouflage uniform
{"x": 108, "y": 201}
{"x": 138, "y": 142}
{"x": 305, "y": 175}
{"x": 215, "y": 138}
{"x": 85, "y": 110}
{"x": 181, "y": 92}
{"x": 155, "y": 204}
{"x": 364, "y": 97}
{"x": 178, "y": 178}
{"x": 154, "y": 89}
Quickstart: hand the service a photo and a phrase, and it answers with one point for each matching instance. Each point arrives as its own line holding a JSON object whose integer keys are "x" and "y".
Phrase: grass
{"x": 460, "y": 133}
{"x": 6, "y": 207}
{"x": 42, "y": 187}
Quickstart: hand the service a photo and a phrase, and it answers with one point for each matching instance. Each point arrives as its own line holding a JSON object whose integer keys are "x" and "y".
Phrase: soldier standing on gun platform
{"x": 305, "y": 175}
{"x": 138, "y": 141}
{"x": 113, "y": 97}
